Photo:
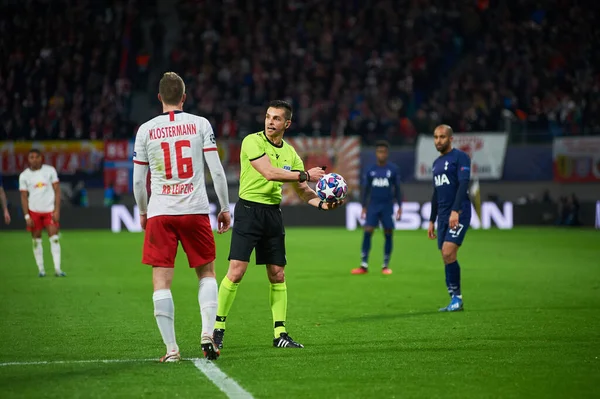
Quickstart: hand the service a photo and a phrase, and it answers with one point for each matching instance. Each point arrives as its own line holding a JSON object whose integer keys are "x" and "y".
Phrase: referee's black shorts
{"x": 258, "y": 226}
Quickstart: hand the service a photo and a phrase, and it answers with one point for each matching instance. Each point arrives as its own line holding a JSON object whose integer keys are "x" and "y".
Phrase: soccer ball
{"x": 331, "y": 187}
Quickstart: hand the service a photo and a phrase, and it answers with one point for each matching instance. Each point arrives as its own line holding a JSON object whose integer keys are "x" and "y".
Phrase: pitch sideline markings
{"x": 50, "y": 362}
{"x": 225, "y": 383}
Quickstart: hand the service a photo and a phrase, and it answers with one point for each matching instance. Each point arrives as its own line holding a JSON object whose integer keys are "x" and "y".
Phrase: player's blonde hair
{"x": 171, "y": 88}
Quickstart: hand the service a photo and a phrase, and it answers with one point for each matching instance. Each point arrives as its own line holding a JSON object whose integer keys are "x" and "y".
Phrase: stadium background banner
{"x": 576, "y": 159}
{"x": 487, "y": 152}
{"x": 229, "y": 152}
{"x": 68, "y": 157}
{"x": 118, "y": 165}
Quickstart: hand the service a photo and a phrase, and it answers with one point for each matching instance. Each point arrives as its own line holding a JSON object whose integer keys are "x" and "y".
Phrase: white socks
{"x": 164, "y": 312}
{"x": 38, "y": 254}
{"x": 208, "y": 293}
{"x": 55, "y": 249}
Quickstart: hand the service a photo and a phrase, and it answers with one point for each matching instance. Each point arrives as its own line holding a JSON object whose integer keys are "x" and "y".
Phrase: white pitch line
{"x": 47, "y": 362}
{"x": 225, "y": 383}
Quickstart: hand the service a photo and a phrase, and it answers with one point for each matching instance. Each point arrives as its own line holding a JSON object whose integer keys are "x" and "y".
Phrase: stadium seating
{"x": 62, "y": 74}
{"x": 379, "y": 69}
{"x": 395, "y": 68}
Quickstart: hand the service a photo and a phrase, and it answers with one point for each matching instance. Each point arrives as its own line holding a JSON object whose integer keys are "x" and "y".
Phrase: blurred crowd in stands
{"x": 377, "y": 68}
{"x": 63, "y": 73}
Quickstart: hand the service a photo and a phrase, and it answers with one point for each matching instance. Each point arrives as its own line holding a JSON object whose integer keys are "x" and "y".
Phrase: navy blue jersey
{"x": 0, "y": 179}
{"x": 381, "y": 185}
{"x": 448, "y": 171}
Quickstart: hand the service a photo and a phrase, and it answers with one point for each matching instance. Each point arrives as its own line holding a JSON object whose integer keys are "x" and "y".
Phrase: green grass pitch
{"x": 531, "y": 325}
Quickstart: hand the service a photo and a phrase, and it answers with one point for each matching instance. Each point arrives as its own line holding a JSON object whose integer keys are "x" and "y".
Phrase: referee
{"x": 266, "y": 162}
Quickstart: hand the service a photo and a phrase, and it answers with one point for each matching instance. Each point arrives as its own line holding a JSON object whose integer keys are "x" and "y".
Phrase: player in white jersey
{"x": 174, "y": 146}
{"x": 40, "y": 199}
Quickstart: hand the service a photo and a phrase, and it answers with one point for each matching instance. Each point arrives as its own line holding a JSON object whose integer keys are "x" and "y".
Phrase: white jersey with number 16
{"x": 173, "y": 145}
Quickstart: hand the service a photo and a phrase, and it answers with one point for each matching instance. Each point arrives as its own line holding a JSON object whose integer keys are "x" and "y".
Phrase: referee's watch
{"x": 304, "y": 176}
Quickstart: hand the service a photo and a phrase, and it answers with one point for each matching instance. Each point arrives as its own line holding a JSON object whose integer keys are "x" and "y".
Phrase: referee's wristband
{"x": 321, "y": 206}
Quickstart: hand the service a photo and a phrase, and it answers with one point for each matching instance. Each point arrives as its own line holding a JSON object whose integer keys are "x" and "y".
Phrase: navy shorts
{"x": 383, "y": 213}
{"x": 456, "y": 235}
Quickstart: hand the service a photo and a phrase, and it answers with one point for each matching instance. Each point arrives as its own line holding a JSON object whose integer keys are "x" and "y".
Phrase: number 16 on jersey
{"x": 185, "y": 168}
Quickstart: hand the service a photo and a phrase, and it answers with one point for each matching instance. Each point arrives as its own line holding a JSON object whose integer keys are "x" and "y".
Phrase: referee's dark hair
{"x": 382, "y": 143}
{"x": 282, "y": 104}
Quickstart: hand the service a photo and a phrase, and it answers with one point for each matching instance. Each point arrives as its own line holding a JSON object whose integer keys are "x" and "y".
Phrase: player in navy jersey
{"x": 381, "y": 188}
{"x": 451, "y": 206}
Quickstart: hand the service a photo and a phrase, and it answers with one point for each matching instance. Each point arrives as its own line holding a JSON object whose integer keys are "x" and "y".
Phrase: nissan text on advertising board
{"x": 414, "y": 216}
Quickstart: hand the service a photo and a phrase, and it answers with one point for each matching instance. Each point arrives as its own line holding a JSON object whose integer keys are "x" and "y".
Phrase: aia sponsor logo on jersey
{"x": 381, "y": 182}
{"x": 440, "y": 180}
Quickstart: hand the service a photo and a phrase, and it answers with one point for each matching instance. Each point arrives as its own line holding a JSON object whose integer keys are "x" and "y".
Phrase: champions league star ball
{"x": 331, "y": 187}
